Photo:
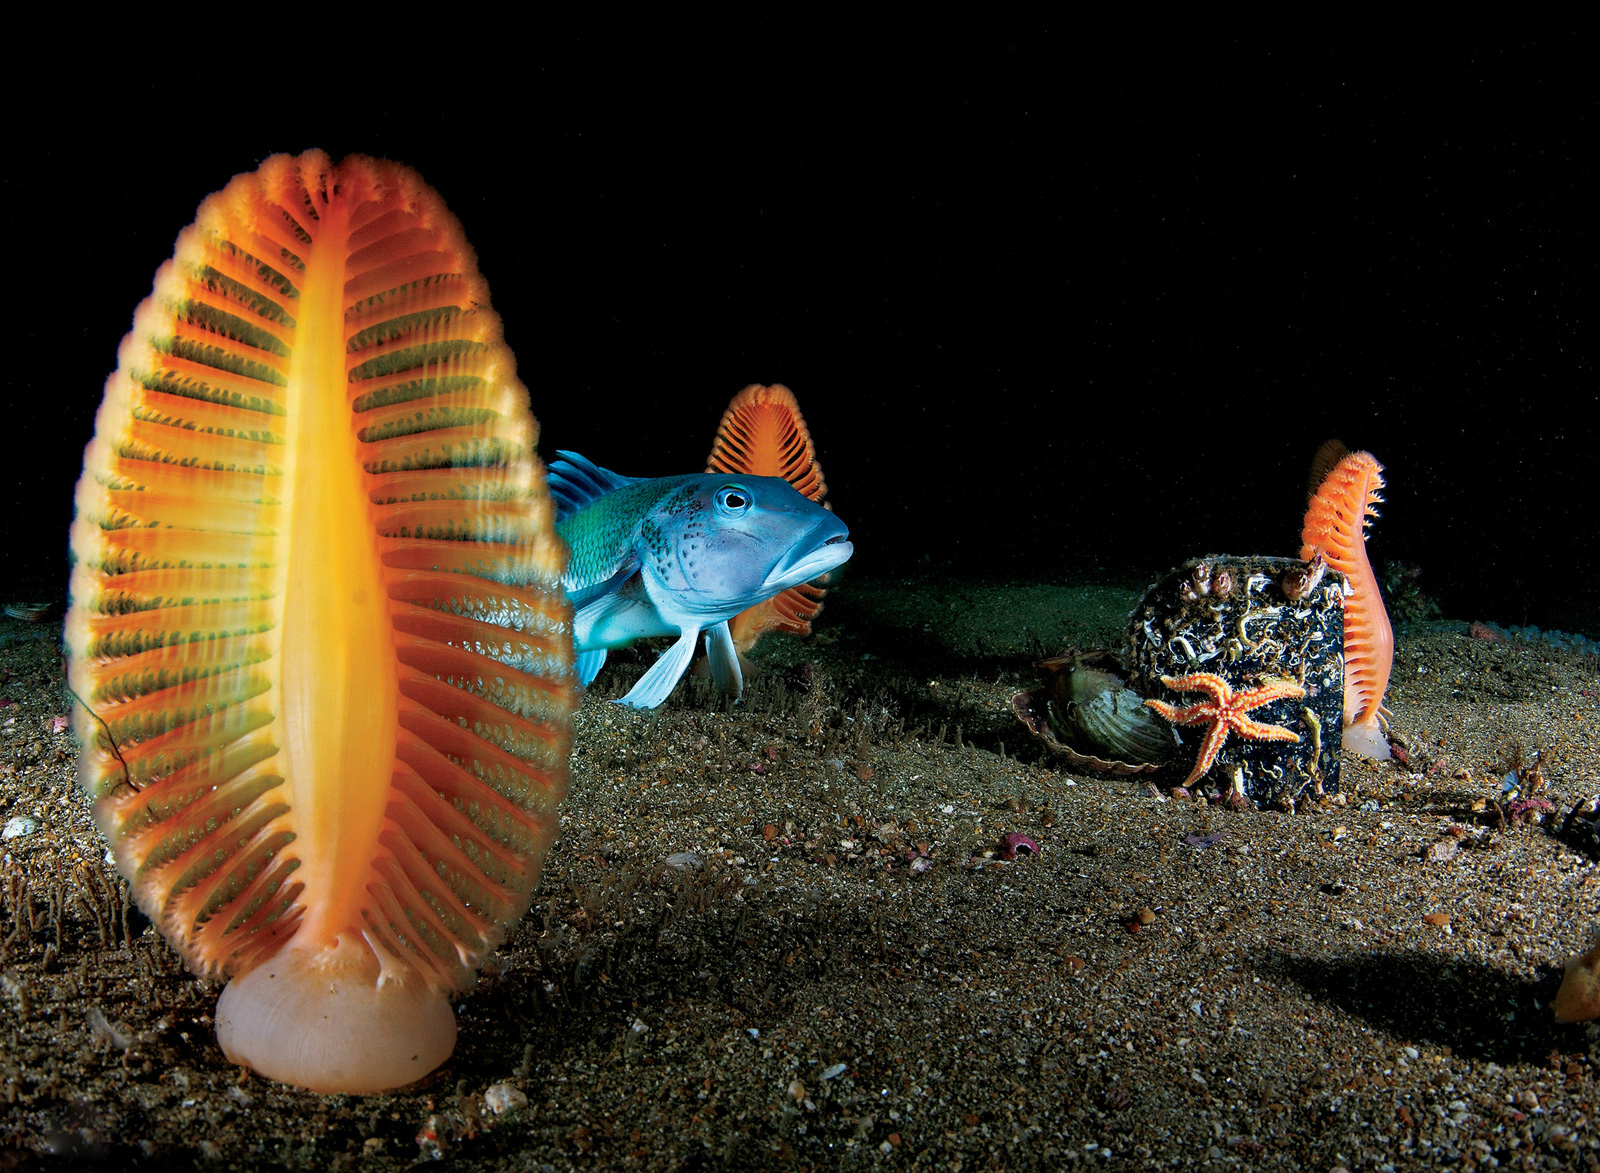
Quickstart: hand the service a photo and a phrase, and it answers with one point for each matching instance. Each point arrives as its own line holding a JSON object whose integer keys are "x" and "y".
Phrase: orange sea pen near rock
{"x": 317, "y": 605}
{"x": 1347, "y": 487}
{"x": 763, "y": 434}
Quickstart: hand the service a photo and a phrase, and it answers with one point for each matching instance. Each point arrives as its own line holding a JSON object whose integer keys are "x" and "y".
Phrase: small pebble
{"x": 1145, "y": 917}
{"x": 503, "y": 1097}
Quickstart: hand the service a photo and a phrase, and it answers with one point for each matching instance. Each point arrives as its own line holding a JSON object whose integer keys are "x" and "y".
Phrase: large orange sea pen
{"x": 317, "y": 620}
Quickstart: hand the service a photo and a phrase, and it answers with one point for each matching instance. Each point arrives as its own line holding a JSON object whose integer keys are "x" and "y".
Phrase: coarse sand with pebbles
{"x": 784, "y": 936}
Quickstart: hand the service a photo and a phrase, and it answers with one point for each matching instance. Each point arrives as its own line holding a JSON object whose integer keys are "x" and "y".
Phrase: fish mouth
{"x": 816, "y": 560}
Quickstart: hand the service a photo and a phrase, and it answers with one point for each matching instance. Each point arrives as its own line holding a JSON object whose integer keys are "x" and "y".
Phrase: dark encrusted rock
{"x": 1250, "y": 620}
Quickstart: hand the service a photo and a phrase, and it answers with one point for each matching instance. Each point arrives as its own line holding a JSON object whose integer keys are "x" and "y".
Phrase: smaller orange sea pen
{"x": 763, "y": 434}
{"x": 1345, "y": 499}
{"x": 317, "y": 620}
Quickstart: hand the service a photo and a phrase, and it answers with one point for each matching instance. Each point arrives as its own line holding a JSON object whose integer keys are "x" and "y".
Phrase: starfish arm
{"x": 1215, "y": 736}
{"x": 1207, "y": 682}
{"x": 1272, "y": 690}
{"x": 1261, "y": 731}
{"x": 1170, "y": 712}
{"x": 1188, "y": 715}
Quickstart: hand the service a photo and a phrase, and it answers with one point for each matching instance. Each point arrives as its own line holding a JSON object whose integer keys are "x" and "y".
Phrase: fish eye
{"x": 732, "y": 500}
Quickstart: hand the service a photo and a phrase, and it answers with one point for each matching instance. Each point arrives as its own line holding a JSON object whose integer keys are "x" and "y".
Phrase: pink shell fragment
{"x": 1016, "y": 843}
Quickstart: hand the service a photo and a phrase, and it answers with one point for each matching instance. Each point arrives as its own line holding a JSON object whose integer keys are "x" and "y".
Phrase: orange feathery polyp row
{"x": 317, "y": 620}
{"x": 1335, "y": 528}
{"x": 763, "y": 434}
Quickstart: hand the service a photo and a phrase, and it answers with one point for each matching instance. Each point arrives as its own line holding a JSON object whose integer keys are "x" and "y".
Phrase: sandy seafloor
{"x": 731, "y": 964}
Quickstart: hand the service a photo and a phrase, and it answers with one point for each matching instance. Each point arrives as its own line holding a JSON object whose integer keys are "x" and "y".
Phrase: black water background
{"x": 1054, "y": 307}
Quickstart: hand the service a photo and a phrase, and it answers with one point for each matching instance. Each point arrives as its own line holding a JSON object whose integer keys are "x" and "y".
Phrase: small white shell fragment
{"x": 503, "y": 1097}
{"x": 834, "y": 1072}
{"x": 18, "y": 826}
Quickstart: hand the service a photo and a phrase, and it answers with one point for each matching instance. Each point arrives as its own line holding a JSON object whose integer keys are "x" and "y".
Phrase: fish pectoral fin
{"x": 614, "y": 619}
{"x": 589, "y": 664}
{"x": 724, "y": 659}
{"x": 657, "y": 684}
{"x": 589, "y": 595}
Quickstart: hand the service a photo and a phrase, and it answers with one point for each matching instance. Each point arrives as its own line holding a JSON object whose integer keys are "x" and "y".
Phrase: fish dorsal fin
{"x": 576, "y": 481}
{"x": 1323, "y": 463}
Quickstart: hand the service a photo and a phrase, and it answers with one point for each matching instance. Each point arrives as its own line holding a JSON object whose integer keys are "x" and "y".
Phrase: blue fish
{"x": 680, "y": 556}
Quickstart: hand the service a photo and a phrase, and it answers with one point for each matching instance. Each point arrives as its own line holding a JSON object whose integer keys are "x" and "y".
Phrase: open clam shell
{"x": 1086, "y": 713}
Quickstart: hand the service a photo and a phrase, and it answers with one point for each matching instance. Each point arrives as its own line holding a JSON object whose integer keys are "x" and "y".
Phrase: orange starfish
{"x": 1226, "y": 710}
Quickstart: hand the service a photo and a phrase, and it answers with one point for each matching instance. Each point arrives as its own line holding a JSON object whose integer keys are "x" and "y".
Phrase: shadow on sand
{"x": 1476, "y": 1010}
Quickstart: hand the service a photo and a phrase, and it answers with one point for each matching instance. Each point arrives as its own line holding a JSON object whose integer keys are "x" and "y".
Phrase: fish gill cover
{"x": 317, "y": 619}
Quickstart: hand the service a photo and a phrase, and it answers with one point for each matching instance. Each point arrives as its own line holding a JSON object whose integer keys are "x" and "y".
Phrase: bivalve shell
{"x": 1086, "y": 713}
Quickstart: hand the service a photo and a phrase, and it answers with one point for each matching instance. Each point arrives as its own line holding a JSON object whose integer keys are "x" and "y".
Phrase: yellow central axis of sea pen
{"x": 338, "y": 678}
